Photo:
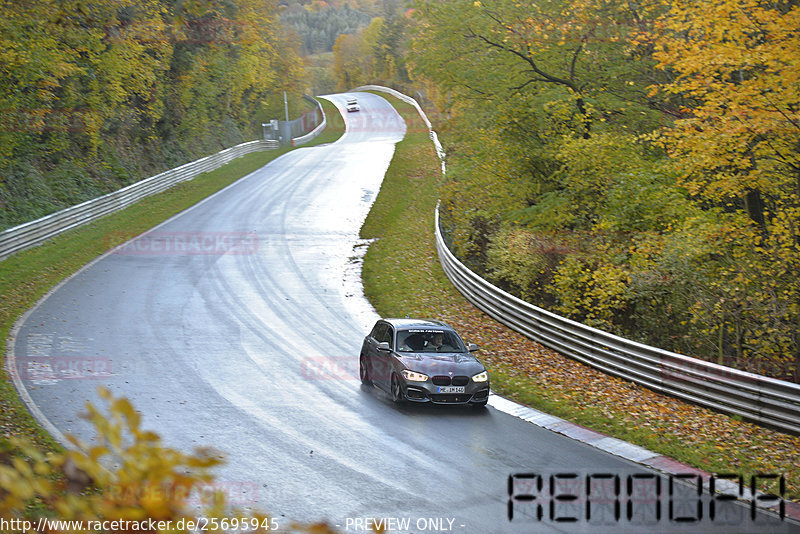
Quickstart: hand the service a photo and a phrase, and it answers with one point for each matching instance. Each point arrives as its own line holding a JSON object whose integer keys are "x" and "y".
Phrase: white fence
{"x": 297, "y": 141}
{"x": 757, "y": 398}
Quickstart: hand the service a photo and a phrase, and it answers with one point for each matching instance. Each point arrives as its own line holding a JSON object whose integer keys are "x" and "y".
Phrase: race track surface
{"x": 237, "y": 324}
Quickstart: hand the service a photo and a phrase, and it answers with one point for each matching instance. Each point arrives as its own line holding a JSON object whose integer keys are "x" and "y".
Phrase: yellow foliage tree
{"x": 125, "y": 474}
{"x": 737, "y": 63}
{"x": 347, "y": 63}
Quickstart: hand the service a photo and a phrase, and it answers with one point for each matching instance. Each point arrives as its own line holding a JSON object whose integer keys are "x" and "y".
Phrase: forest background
{"x": 96, "y": 95}
{"x": 631, "y": 165}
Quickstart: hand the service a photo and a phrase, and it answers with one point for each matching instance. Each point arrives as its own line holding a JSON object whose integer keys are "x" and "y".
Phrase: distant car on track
{"x": 419, "y": 360}
{"x": 352, "y": 105}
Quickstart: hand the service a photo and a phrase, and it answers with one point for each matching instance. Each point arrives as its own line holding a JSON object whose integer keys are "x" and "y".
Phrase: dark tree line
{"x": 318, "y": 30}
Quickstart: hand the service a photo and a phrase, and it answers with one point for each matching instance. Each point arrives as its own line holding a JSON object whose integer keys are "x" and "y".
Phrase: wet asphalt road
{"x": 237, "y": 324}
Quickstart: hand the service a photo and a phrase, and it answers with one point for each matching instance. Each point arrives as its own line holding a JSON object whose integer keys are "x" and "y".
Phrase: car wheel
{"x": 363, "y": 371}
{"x": 397, "y": 390}
{"x": 479, "y": 405}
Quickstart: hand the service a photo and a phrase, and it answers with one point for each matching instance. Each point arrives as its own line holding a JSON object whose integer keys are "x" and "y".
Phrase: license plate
{"x": 450, "y": 389}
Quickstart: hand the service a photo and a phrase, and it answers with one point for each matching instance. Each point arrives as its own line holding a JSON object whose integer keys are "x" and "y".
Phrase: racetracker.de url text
{"x": 199, "y": 524}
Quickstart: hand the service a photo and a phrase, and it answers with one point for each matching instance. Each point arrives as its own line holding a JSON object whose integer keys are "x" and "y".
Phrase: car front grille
{"x": 442, "y": 380}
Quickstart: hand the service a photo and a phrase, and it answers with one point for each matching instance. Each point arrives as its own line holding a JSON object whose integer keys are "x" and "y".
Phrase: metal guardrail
{"x": 757, "y": 398}
{"x": 35, "y": 232}
{"x": 408, "y": 100}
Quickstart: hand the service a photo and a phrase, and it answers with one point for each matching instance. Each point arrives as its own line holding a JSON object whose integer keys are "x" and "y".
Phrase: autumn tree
{"x": 522, "y": 77}
{"x": 580, "y": 55}
{"x": 737, "y": 64}
{"x": 95, "y": 95}
{"x": 632, "y": 165}
{"x": 125, "y": 474}
{"x": 373, "y": 54}
{"x": 348, "y": 63}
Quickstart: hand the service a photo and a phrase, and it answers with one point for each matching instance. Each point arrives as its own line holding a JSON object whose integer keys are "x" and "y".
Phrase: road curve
{"x": 237, "y": 324}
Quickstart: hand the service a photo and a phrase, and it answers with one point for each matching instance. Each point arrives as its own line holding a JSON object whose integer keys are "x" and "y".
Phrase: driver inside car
{"x": 437, "y": 344}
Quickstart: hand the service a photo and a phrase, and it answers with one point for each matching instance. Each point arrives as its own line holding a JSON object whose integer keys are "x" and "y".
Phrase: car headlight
{"x": 481, "y": 377}
{"x": 414, "y": 376}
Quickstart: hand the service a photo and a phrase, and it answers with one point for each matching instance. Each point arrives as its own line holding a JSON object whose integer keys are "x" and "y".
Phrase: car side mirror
{"x": 472, "y": 347}
{"x": 384, "y": 346}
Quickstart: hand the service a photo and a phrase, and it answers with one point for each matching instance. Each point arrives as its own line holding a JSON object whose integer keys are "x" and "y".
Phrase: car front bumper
{"x": 474, "y": 393}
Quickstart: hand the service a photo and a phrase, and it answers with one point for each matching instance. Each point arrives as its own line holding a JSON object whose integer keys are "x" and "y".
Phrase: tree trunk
{"x": 754, "y": 204}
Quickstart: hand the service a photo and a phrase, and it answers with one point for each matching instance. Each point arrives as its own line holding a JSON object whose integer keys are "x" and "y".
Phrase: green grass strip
{"x": 401, "y": 272}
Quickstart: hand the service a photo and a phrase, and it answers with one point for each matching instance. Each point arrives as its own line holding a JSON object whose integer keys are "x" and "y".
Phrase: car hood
{"x": 444, "y": 363}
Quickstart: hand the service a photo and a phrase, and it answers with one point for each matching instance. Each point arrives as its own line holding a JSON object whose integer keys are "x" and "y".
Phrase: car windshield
{"x": 429, "y": 340}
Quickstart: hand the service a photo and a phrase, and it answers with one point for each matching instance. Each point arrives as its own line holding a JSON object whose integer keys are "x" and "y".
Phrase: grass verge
{"x": 402, "y": 275}
{"x": 28, "y": 275}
